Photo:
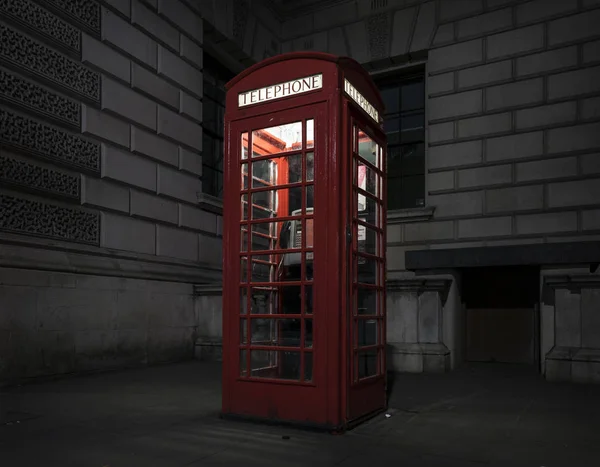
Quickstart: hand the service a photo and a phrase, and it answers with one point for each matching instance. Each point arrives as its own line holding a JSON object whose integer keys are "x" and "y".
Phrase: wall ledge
{"x": 402, "y": 216}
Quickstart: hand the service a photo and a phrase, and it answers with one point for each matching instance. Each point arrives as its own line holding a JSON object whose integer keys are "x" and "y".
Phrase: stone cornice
{"x": 401, "y": 216}
{"x": 442, "y": 286}
{"x": 573, "y": 283}
{"x": 45, "y": 255}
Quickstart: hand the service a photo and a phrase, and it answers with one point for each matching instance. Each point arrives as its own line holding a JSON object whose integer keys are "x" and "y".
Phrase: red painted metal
{"x": 309, "y": 375}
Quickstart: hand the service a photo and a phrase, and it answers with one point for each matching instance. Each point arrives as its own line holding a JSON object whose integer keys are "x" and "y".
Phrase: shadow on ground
{"x": 168, "y": 416}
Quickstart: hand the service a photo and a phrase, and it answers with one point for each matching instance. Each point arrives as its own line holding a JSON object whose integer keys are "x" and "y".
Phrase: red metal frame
{"x": 333, "y": 397}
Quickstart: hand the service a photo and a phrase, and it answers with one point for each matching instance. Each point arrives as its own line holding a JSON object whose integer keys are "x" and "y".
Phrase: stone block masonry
{"x": 106, "y": 138}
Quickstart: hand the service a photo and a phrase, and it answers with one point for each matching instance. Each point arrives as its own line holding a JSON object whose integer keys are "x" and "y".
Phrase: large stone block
{"x": 590, "y": 318}
{"x": 19, "y": 307}
{"x": 441, "y": 132}
{"x": 96, "y": 349}
{"x": 455, "y": 105}
{"x": 440, "y": 83}
{"x": 440, "y": 181}
{"x": 148, "y": 144}
{"x": 519, "y": 198}
{"x": 486, "y": 23}
{"x": 485, "y": 125}
{"x": 485, "y": 74}
{"x": 590, "y": 108}
{"x": 515, "y": 41}
{"x": 179, "y": 71}
{"x": 547, "y": 223}
{"x": 190, "y": 106}
{"x": 210, "y": 250}
{"x": 128, "y": 168}
{"x": 125, "y": 233}
{"x": 576, "y": 193}
{"x": 403, "y": 317}
{"x": 154, "y": 25}
{"x": 591, "y": 52}
{"x": 428, "y": 231}
{"x": 485, "y": 176}
{"x": 132, "y": 308}
{"x": 104, "y": 126}
{"x": 356, "y": 37}
{"x": 171, "y": 310}
{"x": 424, "y": 28}
{"x": 191, "y": 51}
{"x": 567, "y": 318}
{"x": 457, "y": 204}
{"x": 459, "y": 8}
{"x": 182, "y": 17}
{"x": 558, "y": 370}
{"x": 58, "y": 352}
{"x": 178, "y": 185}
{"x": 177, "y": 243}
{"x": 485, "y": 227}
{"x": 514, "y": 94}
{"x": 429, "y": 317}
{"x": 574, "y": 83}
{"x": 455, "y": 56}
{"x": 153, "y": 86}
{"x": 190, "y": 161}
{"x": 546, "y": 169}
{"x": 170, "y": 344}
{"x": 97, "y": 54}
{"x": 590, "y": 164}
{"x": 130, "y": 40}
{"x": 122, "y": 6}
{"x": 590, "y": 219}
{"x": 574, "y": 27}
{"x": 132, "y": 347}
{"x": 454, "y": 155}
{"x": 127, "y": 103}
{"x": 546, "y": 115}
{"x": 542, "y": 9}
{"x": 197, "y": 219}
{"x": 180, "y": 129}
{"x": 402, "y": 22}
{"x": 514, "y": 146}
{"x": 574, "y": 138}
{"x": 546, "y": 61}
{"x": 103, "y": 194}
{"x": 153, "y": 207}
{"x": 444, "y": 34}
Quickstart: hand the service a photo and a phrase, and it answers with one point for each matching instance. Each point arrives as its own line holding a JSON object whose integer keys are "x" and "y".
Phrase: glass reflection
{"x": 277, "y": 139}
{"x": 310, "y": 133}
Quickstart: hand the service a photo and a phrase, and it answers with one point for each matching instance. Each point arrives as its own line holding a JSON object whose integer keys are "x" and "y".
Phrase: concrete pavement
{"x": 168, "y": 416}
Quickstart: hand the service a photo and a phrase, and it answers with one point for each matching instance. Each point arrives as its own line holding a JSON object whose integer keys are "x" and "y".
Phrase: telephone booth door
{"x": 365, "y": 172}
{"x": 279, "y": 368}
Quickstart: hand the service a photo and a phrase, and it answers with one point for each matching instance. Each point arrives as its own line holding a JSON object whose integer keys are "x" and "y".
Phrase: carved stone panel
{"x": 30, "y": 136}
{"x": 36, "y": 98}
{"x": 84, "y": 12}
{"x": 33, "y": 177}
{"x": 42, "y": 22}
{"x": 25, "y": 216}
{"x": 378, "y": 31}
{"x": 25, "y": 53}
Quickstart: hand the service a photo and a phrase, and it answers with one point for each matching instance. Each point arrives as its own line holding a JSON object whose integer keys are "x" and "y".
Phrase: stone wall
{"x": 512, "y": 116}
{"x": 100, "y": 175}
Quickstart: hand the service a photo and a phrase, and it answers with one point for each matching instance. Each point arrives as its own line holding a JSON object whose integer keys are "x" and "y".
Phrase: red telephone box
{"x": 304, "y": 243}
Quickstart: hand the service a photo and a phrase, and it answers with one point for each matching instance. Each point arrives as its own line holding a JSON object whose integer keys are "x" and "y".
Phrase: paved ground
{"x": 167, "y": 416}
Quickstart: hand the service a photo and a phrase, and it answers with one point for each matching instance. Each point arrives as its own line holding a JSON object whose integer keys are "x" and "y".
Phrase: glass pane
{"x": 243, "y": 301}
{"x": 310, "y": 166}
{"x": 310, "y": 134}
{"x": 275, "y": 332}
{"x": 367, "y": 209}
{"x": 367, "y": 270}
{"x": 367, "y": 178}
{"x": 308, "y": 366}
{"x": 243, "y": 362}
{"x": 391, "y": 100}
{"x": 391, "y": 126}
{"x": 275, "y": 364}
{"x": 413, "y": 159}
{"x": 413, "y": 191}
{"x": 308, "y": 299}
{"x": 243, "y": 331}
{"x": 264, "y": 236}
{"x": 263, "y": 268}
{"x": 413, "y": 95}
{"x": 308, "y": 333}
{"x": 264, "y": 301}
{"x": 366, "y": 301}
{"x": 308, "y": 268}
{"x": 310, "y": 198}
{"x": 277, "y": 139}
{"x": 367, "y": 363}
{"x": 244, "y": 207}
{"x": 394, "y": 193}
{"x": 412, "y": 122}
{"x": 264, "y": 174}
{"x": 367, "y": 240}
{"x": 244, "y": 238}
{"x": 367, "y": 332}
{"x": 244, "y": 269}
{"x": 271, "y": 203}
{"x": 244, "y": 145}
{"x": 367, "y": 148}
{"x": 294, "y": 170}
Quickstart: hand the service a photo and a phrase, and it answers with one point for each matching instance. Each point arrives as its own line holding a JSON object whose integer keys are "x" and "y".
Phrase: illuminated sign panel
{"x": 361, "y": 100}
{"x": 278, "y": 91}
